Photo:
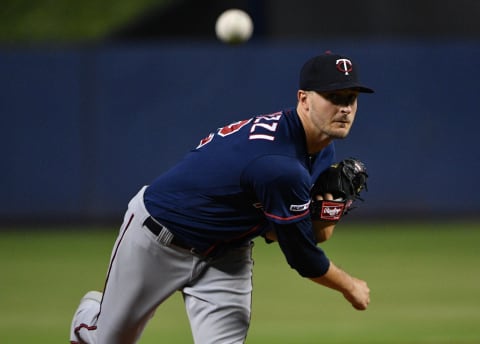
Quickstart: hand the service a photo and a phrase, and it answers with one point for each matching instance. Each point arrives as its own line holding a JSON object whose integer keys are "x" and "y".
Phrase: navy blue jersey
{"x": 239, "y": 181}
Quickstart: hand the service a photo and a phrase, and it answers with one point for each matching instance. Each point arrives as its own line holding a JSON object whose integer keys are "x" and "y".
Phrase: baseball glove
{"x": 344, "y": 181}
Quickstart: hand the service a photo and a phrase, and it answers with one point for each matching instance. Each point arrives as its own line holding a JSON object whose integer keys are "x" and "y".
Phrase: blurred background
{"x": 99, "y": 97}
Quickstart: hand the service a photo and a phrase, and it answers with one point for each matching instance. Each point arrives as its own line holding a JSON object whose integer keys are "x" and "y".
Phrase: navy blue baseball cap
{"x": 330, "y": 72}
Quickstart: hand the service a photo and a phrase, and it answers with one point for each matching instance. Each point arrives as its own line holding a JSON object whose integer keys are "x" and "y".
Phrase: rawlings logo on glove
{"x": 331, "y": 210}
{"x": 344, "y": 181}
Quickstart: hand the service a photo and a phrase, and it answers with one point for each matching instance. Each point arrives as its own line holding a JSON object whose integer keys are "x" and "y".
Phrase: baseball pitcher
{"x": 191, "y": 229}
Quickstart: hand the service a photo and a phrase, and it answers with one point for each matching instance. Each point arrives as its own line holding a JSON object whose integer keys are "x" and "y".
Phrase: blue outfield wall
{"x": 84, "y": 127}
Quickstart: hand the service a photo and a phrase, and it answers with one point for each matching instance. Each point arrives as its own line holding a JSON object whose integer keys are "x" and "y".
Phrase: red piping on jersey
{"x": 286, "y": 218}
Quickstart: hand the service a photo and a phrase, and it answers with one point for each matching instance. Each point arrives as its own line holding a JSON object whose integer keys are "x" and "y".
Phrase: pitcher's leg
{"x": 84, "y": 321}
{"x": 219, "y": 303}
{"x": 143, "y": 274}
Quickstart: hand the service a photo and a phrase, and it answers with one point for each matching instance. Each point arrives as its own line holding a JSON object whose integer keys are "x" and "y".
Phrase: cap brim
{"x": 345, "y": 86}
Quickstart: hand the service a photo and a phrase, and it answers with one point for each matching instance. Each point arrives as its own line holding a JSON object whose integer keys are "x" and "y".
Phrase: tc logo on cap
{"x": 344, "y": 65}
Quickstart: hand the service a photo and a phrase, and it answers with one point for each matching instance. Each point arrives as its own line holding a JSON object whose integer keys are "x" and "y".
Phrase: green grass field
{"x": 424, "y": 281}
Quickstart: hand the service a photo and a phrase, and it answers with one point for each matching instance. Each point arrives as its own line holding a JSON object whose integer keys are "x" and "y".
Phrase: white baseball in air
{"x": 234, "y": 26}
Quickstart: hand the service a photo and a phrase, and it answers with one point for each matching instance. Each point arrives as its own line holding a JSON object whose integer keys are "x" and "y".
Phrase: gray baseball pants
{"x": 143, "y": 273}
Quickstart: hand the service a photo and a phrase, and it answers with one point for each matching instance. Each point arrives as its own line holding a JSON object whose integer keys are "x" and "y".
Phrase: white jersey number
{"x": 263, "y": 128}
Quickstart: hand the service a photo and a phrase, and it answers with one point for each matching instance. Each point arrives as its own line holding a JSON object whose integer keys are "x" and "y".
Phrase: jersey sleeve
{"x": 298, "y": 245}
{"x": 281, "y": 185}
